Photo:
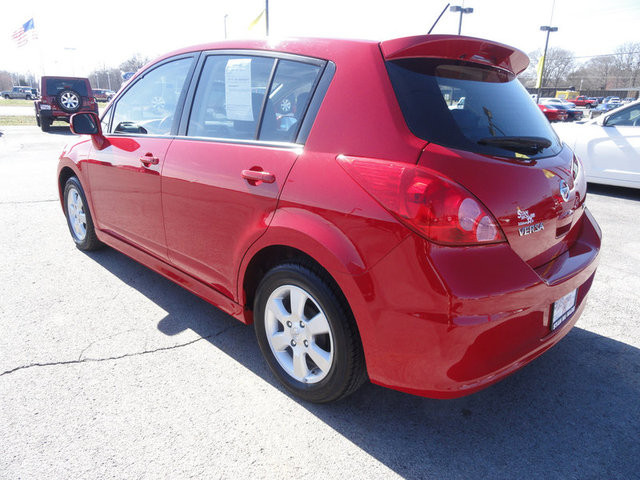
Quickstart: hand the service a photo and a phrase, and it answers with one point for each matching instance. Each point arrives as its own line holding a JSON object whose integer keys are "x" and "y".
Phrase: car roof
{"x": 340, "y": 49}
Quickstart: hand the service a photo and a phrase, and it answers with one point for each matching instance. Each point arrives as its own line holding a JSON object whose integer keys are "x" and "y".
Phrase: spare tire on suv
{"x": 69, "y": 101}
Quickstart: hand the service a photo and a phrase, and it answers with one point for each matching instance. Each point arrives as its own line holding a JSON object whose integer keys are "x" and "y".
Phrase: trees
{"x": 134, "y": 63}
{"x": 111, "y": 78}
{"x": 5, "y": 81}
{"x": 562, "y": 69}
{"x": 626, "y": 62}
{"x": 557, "y": 67}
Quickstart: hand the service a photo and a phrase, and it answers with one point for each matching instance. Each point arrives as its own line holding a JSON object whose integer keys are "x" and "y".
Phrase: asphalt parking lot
{"x": 107, "y": 370}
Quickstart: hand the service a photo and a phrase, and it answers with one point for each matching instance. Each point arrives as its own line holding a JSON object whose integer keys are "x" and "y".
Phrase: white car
{"x": 609, "y": 146}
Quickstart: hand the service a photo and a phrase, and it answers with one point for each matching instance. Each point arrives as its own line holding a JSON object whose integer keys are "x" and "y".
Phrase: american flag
{"x": 25, "y": 33}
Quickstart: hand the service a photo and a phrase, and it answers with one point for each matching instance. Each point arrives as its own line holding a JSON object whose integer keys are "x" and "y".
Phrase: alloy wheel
{"x": 77, "y": 214}
{"x": 299, "y": 334}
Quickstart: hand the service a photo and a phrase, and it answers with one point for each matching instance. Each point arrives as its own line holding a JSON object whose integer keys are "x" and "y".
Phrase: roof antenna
{"x": 438, "y": 19}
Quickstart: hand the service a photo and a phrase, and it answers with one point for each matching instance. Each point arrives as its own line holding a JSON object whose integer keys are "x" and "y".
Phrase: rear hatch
{"x": 484, "y": 131}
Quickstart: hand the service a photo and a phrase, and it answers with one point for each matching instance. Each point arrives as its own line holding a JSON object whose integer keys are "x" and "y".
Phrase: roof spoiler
{"x": 456, "y": 47}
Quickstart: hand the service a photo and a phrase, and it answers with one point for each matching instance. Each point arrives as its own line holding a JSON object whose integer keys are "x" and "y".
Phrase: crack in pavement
{"x": 20, "y": 202}
{"x": 126, "y": 355}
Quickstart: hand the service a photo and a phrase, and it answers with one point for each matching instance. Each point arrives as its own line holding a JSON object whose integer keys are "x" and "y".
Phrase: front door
{"x": 125, "y": 176}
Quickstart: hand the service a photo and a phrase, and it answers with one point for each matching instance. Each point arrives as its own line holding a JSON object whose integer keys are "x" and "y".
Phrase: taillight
{"x": 429, "y": 204}
{"x": 575, "y": 167}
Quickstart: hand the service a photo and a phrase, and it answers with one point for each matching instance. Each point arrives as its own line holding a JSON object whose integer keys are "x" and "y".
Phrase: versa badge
{"x": 526, "y": 224}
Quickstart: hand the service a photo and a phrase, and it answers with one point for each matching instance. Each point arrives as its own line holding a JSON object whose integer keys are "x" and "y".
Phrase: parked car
{"x": 554, "y": 113}
{"x": 61, "y": 98}
{"x": 103, "y": 95}
{"x": 24, "y": 92}
{"x": 609, "y": 146}
{"x": 324, "y": 191}
{"x": 628, "y": 100}
{"x": 612, "y": 100}
{"x": 583, "y": 101}
{"x": 603, "y": 108}
{"x": 573, "y": 113}
{"x": 596, "y": 101}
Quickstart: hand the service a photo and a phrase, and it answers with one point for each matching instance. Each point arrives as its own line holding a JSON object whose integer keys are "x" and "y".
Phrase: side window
{"x": 229, "y": 97}
{"x": 288, "y": 100}
{"x": 629, "y": 117}
{"x": 149, "y": 106}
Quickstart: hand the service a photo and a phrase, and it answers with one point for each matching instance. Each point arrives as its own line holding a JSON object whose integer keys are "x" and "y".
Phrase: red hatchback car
{"x": 339, "y": 196}
{"x": 553, "y": 114}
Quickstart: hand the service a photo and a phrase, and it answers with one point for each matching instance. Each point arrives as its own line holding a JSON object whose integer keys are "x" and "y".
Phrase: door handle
{"x": 258, "y": 176}
{"x": 148, "y": 159}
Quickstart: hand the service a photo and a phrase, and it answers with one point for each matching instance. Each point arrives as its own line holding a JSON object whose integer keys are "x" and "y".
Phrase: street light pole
{"x": 548, "y": 29}
{"x": 462, "y": 10}
{"x": 225, "y": 25}
{"x": 266, "y": 13}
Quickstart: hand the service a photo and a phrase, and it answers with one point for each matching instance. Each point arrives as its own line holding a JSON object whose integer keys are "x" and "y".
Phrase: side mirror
{"x": 85, "y": 124}
{"x": 89, "y": 124}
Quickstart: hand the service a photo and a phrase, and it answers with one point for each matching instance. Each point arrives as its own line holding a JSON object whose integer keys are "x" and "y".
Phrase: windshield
{"x": 461, "y": 104}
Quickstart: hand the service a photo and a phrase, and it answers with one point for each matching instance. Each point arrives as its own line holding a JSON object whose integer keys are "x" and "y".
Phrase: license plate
{"x": 563, "y": 308}
{"x": 45, "y": 107}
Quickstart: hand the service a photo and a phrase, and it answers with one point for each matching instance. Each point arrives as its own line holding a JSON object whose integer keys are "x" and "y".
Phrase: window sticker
{"x": 237, "y": 89}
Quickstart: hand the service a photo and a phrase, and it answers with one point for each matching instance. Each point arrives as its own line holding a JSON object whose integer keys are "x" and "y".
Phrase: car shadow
{"x": 60, "y": 130}
{"x": 573, "y": 413}
{"x": 613, "y": 191}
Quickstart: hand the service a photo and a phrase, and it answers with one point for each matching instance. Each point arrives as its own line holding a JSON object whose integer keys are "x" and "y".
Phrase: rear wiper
{"x": 527, "y": 145}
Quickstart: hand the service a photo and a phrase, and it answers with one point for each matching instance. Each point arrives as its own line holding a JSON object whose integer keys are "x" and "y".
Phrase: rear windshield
{"x": 56, "y": 85}
{"x": 458, "y": 104}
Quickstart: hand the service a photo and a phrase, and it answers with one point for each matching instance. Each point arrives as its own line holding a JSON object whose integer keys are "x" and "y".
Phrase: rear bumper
{"x": 61, "y": 115}
{"x": 457, "y": 320}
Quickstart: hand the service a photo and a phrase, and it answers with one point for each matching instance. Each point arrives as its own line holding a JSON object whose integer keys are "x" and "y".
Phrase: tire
{"x": 315, "y": 349}
{"x": 45, "y": 123}
{"x": 69, "y": 101}
{"x": 78, "y": 216}
{"x": 6, "y": 97}
{"x": 588, "y": 106}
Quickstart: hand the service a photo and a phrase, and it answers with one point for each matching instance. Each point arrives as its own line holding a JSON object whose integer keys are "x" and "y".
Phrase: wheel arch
{"x": 269, "y": 257}
{"x": 67, "y": 168}
{"x": 66, "y": 172}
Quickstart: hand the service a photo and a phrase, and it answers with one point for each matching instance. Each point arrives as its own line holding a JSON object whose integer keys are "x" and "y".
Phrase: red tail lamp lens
{"x": 431, "y": 205}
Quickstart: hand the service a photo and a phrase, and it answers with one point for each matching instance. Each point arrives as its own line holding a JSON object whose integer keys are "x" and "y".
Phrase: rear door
{"x": 125, "y": 176}
{"x": 223, "y": 175}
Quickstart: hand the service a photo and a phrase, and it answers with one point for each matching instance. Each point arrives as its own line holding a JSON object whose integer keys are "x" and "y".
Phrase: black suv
{"x": 61, "y": 98}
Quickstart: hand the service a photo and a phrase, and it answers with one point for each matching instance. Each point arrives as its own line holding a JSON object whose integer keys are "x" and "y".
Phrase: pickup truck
{"x": 583, "y": 101}
{"x": 25, "y": 92}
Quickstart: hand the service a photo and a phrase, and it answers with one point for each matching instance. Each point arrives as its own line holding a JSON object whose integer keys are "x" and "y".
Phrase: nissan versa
{"x": 398, "y": 211}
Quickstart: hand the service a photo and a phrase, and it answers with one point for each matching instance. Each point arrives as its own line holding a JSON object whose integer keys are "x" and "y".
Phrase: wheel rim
{"x": 69, "y": 100}
{"x": 77, "y": 214}
{"x": 299, "y": 334}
